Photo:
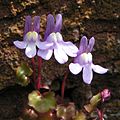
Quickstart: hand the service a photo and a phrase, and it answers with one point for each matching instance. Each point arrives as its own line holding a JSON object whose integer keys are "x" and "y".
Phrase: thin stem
{"x": 100, "y": 114}
{"x": 63, "y": 84}
{"x": 33, "y": 64}
{"x": 38, "y": 84}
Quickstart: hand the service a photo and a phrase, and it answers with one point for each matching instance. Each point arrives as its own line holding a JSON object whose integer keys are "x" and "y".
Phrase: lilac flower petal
{"x": 89, "y": 57}
{"x": 83, "y": 45}
{"x": 58, "y": 24}
{"x": 52, "y": 38}
{"x": 87, "y": 74}
{"x": 77, "y": 59}
{"x": 27, "y": 24}
{"x": 20, "y": 44}
{"x": 75, "y": 68}
{"x": 59, "y": 37}
{"x": 50, "y": 26}
{"x": 44, "y": 45}
{"x": 91, "y": 44}
{"x": 60, "y": 55}
{"x": 37, "y": 24}
{"x": 70, "y": 49}
{"x": 30, "y": 50}
{"x": 45, "y": 54}
{"x": 99, "y": 69}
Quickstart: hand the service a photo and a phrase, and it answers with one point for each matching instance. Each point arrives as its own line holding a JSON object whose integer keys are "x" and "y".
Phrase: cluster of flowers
{"x": 53, "y": 43}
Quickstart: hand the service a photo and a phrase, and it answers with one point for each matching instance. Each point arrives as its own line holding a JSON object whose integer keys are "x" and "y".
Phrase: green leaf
{"x": 61, "y": 110}
{"x": 80, "y": 116}
{"x": 41, "y": 103}
{"x": 94, "y": 101}
{"x": 22, "y": 73}
{"x": 66, "y": 112}
{"x": 50, "y": 100}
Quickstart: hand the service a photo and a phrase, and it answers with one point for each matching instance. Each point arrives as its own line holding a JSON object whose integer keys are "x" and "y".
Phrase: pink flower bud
{"x": 105, "y": 95}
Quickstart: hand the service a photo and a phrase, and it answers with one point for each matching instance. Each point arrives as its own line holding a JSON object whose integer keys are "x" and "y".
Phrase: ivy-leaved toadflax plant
{"x": 84, "y": 61}
{"x": 30, "y": 43}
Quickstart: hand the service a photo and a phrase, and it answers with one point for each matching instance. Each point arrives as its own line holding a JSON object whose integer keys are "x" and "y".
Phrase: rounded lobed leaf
{"x": 22, "y": 73}
{"x": 41, "y": 103}
{"x": 66, "y": 112}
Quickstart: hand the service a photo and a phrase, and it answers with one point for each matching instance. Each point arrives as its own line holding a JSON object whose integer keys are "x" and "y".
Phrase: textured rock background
{"x": 98, "y": 18}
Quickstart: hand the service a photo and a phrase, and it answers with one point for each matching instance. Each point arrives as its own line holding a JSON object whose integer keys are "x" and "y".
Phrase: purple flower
{"x": 84, "y": 61}
{"x": 54, "y": 43}
{"x": 31, "y": 36}
{"x": 105, "y": 95}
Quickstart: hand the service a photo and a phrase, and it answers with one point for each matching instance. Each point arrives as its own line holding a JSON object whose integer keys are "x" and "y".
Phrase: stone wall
{"x": 98, "y": 18}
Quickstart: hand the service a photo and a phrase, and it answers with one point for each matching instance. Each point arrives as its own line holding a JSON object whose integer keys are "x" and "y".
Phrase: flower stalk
{"x": 33, "y": 64}
{"x": 38, "y": 81}
{"x": 100, "y": 114}
{"x": 63, "y": 85}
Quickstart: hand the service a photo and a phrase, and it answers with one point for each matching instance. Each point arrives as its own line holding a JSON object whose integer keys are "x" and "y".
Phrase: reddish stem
{"x": 38, "y": 82}
{"x": 100, "y": 114}
{"x": 33, "y": 64}
{"x": 63, "y": 85}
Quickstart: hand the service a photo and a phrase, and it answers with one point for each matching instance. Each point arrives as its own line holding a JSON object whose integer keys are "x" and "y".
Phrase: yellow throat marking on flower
{"x": 86, "y": 57}
{"x": 32, "y": 35}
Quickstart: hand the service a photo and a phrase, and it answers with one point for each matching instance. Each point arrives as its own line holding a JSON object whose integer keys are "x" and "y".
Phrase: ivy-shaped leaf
{"x": 22, "y": 73}
{"x": 41, "y": 103}
{"x": 66, "y": 112}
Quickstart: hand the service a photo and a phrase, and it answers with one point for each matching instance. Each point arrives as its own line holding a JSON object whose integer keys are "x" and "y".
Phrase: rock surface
{"x": 98, "y": 18}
